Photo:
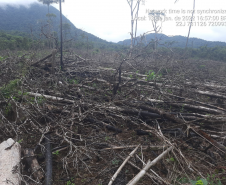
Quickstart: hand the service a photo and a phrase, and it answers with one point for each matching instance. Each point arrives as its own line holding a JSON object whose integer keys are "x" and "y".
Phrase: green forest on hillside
{"x": 217, "y": 53}
{"x": 34, "y": 23}
{"x": 15, "y": 40}
{"x": 27, "y": 28}
{"x": 177, "y": 41}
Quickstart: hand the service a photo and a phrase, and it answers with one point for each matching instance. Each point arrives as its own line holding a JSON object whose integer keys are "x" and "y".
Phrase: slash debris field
{"x": 158, "y": 112}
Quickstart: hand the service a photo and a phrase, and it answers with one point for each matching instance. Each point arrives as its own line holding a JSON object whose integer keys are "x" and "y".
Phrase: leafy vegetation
{"x": 3, "y": 58}
{"x": 217, "y": 53}
{"x": 28, "y": 23}
{"x": 12, "y": 42}
{"x": 56, "y": 153}
{"x": 70, "y": 183}
{"x": 176, "y": 41}
{"x": 210, "y": 180}
{"x": 213, "y": 53}
{"x": 10, "y": 88}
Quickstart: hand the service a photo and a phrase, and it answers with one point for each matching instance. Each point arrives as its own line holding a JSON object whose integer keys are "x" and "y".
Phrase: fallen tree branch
{"x": 208, "y": 138}
{"x": 147, "y": 166}
{"x": 122, "y": 165}
{"x": 147, "y": 174}
{"x": 207, "y": 93}
{"x": 195, "y": 101}
{"x": 43, "y": 59}
{"x": 55, "y": 98}
{"x": 152, "y": 147}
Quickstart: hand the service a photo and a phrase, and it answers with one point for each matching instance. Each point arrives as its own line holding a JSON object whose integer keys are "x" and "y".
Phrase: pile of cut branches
{"x": 112, "y": 119}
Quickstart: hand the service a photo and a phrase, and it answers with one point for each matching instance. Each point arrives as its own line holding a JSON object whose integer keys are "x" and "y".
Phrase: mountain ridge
{"x": 181, "y": 41}
{"x": 31, "y": 19}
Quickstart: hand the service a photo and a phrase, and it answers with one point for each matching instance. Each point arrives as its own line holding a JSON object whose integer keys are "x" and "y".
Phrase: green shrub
{"x": 10, "y": 88}
{"x": 199, "y": 182}
{"x": 152, "y": 76}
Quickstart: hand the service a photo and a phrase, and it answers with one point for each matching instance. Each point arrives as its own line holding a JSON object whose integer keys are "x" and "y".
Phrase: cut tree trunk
{"x": 32, "y": 164}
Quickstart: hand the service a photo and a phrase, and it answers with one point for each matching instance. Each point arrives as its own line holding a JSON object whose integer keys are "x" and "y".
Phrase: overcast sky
{"x": 110, "y": 19}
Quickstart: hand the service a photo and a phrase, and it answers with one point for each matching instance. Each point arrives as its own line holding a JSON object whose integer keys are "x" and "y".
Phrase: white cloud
{"x": 17, "y": 3}
{"x": 110, "y": 20}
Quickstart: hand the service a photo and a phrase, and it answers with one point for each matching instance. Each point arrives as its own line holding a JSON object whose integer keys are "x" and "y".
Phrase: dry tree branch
{"x": 132, "y": 164}
{"x": 50, "y": 97}
{"x": 148, "y": 165}
{"x": 122, "y": 165}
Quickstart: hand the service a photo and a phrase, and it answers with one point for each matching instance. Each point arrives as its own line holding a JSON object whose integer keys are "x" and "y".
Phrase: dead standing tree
{"x": 48, "y": 2}
{"x": 61, "y": 37}
{"x": 133, "y": 9}
{"x": 155, "y": 17}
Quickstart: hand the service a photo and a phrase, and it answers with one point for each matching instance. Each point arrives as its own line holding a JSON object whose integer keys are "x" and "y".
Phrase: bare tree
{"x": 48, "y": 2}
{"x": 190, "y": 22}
{"x": 134, "y": 17}
{"x": 61, "y": 37}
{"x": 155, "y": 17}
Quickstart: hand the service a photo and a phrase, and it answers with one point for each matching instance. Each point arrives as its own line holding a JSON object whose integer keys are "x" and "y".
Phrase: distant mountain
{"x": 32, "y": 19}
{"x": 176, "y": 41}
{"x": 20, "y": 20}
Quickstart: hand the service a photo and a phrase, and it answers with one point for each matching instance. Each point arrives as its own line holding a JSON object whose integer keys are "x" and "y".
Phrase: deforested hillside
{"x": 151, "y": 110}
{"x": 77, "y": 110}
